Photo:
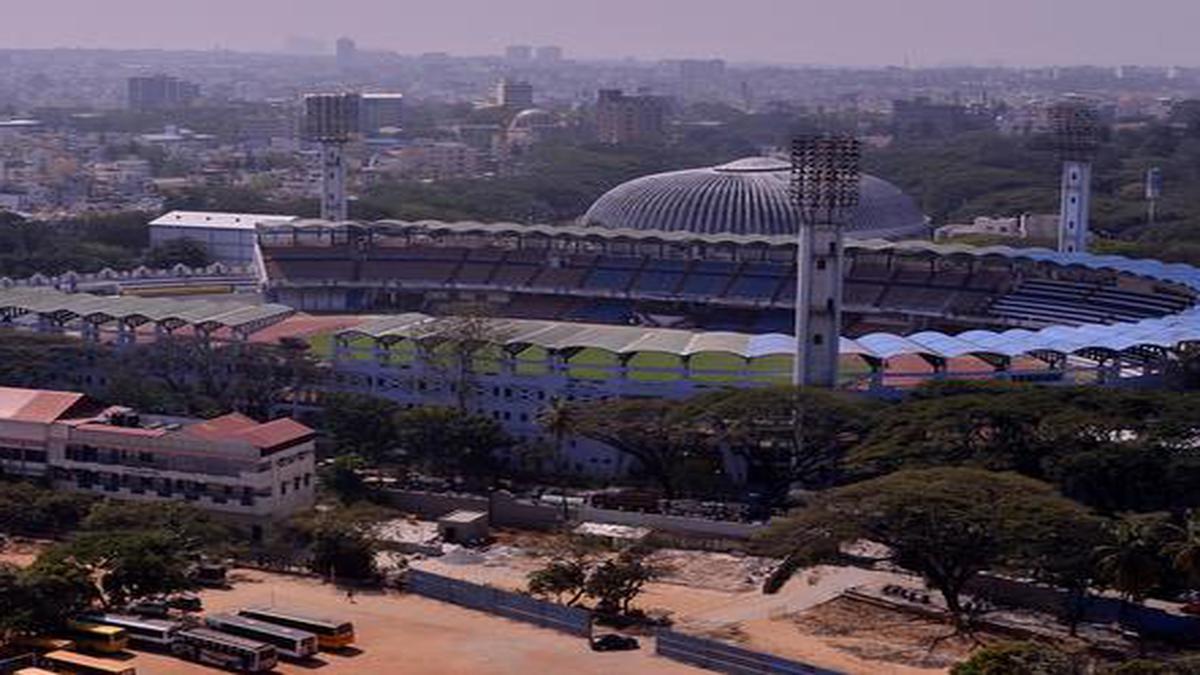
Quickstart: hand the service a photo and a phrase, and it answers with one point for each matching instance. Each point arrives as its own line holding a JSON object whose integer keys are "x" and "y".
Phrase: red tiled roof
{"x": 36, "y": 405}
{"x": 222, "y": 427}
{"x": 238, "y": 427}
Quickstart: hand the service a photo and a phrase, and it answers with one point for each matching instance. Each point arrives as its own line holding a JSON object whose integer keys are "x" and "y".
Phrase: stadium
{"x": 668, "y": 286}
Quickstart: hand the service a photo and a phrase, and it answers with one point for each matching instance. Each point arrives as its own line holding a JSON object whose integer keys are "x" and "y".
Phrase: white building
{"x": 228, "y": 237}
{"x": 232, "y": 465}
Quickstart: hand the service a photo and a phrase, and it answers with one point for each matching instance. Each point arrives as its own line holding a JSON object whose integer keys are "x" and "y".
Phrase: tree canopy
{"x": 947, "y": 525}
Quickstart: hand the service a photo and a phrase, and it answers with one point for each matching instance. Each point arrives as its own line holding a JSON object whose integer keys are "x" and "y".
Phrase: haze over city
{"x": 851, "y": 32}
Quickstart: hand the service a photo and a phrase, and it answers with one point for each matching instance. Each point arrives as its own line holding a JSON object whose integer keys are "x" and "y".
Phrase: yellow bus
{"x": 78, "y": 664}
{"x": 330, "y": 634}
{"x": 98, "y": 637}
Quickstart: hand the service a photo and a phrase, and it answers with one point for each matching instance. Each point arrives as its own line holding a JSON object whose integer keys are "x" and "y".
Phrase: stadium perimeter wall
{"x": 505, "y": 510}
{"x": 571, "y": 620}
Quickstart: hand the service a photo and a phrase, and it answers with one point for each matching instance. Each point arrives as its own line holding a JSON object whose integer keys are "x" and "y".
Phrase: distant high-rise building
{"x": 518, "y": 53}
{"x": 347, "y": 53}
{"x": 701, "y": 79}
{"x": 514, "y": 94}
{"x": 160, "y": 92}
{"x": 624, "y": 119}
{"x": 549, "y": 54}
{"x": 380, "y": 111}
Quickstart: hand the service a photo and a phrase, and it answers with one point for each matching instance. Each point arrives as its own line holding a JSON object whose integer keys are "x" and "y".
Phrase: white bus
{"x": 204, "y": 645}
{"x": 143, "y": 631}
{"x": 291, "y": 642}
{"x": 331, "y": 634}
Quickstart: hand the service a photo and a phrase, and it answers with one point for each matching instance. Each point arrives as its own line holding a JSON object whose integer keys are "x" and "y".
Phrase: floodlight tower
{"x": 1076, "y": 129}
{"x": 825, "y": 188}
{"x": 332, "y": 120}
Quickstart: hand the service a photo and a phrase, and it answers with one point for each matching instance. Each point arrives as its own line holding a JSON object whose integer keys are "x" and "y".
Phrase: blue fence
{"x": 571, "y": 620}
{"x": 726, "y": 658}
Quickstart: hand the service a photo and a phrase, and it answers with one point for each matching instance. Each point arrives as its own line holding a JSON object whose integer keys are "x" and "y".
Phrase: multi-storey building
{"x": 625, "y": 119}
{"x": 158, "y": 92}
{"x": 253, "y": 472}
{"x": 514, "y": 94}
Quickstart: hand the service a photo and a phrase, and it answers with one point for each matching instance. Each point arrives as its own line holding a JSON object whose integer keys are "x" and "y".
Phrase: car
{"x": 612, "y": 642}
{"x": 156, "y": 609}
{"x": 185, "y": 603}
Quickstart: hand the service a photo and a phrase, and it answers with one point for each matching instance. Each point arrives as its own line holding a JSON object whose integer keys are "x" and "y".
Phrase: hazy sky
{"x": 853, "y": 32}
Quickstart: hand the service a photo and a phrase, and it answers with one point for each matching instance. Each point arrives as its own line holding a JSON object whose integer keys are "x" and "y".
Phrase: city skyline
{"x": 852, "y": 33}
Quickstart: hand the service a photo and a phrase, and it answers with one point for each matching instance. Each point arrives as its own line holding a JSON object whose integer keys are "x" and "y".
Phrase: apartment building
{"x": 232, "y": 465}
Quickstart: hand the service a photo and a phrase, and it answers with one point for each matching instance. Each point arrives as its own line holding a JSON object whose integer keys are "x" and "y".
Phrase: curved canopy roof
{"x": 1163, "y": 333}
{"x": 172, "y": 313}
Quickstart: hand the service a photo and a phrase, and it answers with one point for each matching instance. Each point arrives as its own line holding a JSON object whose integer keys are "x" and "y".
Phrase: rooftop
{"x": 35, "y": 405}
{"x": 220, "y": 220}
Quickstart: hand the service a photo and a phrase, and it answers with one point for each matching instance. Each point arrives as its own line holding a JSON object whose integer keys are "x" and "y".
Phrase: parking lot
{"x": 406, "y": 634}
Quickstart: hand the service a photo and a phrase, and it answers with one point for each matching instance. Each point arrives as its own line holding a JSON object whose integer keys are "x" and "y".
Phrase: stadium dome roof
{"x": 749, "y": 196}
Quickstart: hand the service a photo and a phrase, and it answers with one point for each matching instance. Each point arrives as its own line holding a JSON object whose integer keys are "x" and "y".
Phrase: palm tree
{"x": 560, "y": 419}
{"x": 1131, "y": 563}
{"x": 1184, "y": 552}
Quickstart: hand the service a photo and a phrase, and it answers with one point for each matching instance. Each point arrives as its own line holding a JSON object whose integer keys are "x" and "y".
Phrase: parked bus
{"x": 78, "y": 664}
{"x": 42, "y": 645}
{"x": 140, "y": 630}
{"x": 205, "y": 645}
{"x": 98, "y": 637}
{"x": 288, "y": 641}
{"x": 330, "y": 634}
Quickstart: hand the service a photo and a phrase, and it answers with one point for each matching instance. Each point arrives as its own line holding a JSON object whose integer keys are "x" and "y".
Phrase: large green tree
{"x": 784, "y": 434}
{"x": 451, "y": 441}
{"x": 947, "y": 525}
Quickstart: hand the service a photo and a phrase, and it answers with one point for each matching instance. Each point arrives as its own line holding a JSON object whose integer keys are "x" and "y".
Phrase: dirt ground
{"x": 716, "y": 595}
{"x": 407, "y": 634}
{"x": 22, "y": 552}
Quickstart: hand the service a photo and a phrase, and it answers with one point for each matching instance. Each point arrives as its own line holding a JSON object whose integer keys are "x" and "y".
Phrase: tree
{"x": 1133, "y": 563}
{"x": 187, "y": 252}
{"x": 337, "y": 542}
{"x": 360, "y": 425}
{"x": 560, "y": 420}
{"x": 1025, "y": 658}
{"x": 342, "y": 478}
{"x": 668, "y": 447}
{"x": 616, "y": 582}
{"x": 127, "y": 565}
{"x": 192, "y": 530}
{"x": 562, "y": 576}
{"x": 460, "y": 347}
{"x": 52, "y": 590}
{"x": 1184, "y": 551}
{"x": 784, "y": 434}
{"x": 947, "y": 525}
{"x": 450, "y": 440}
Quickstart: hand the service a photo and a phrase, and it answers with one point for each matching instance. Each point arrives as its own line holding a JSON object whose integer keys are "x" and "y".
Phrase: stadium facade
{"x": 669, "y": 286}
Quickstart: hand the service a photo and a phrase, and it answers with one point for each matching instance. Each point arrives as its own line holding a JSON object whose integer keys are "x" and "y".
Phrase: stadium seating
{"x": 1053, "y": 301}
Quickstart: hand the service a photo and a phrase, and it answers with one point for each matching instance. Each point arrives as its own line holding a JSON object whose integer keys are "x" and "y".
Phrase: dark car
{"x": 155, "y": 609}
{"x": 614, "y": 643}
{"x": 185, "y": 603}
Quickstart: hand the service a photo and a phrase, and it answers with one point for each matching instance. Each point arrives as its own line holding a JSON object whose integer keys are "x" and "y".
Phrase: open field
{"x": 408, "y": 634}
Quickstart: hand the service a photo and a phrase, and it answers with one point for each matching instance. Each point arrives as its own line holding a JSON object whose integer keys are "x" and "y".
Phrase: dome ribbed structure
{"x": 748, "y": 196}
